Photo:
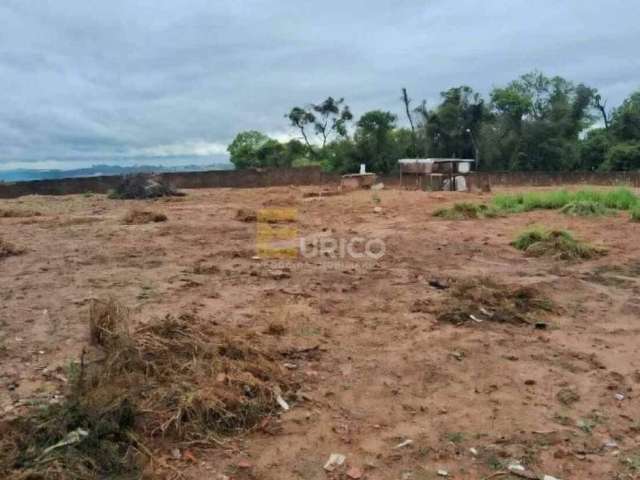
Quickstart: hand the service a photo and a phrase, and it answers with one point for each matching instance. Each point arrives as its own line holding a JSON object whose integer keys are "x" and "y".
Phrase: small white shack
{"x": 435, "y": 173}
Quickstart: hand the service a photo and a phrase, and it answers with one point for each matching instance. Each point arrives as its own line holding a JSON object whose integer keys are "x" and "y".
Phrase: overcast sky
{"x": 123, "y": 79}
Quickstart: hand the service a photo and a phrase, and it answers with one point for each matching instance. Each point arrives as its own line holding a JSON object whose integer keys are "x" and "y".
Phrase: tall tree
{"x": 328, "y": 119}
{"x": 407, "y": 108}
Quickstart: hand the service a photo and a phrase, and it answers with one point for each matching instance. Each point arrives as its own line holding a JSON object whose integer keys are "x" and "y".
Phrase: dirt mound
{"x": 180, "y": 378}
{"x": 139, "y": 217}
{"x": 481, "y": 299}
{"x": 9, "y": 249}
{"x": 141, "y": 186}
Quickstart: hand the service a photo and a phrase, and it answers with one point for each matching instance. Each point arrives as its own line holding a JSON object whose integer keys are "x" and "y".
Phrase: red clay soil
{"x": 375, "y": 366}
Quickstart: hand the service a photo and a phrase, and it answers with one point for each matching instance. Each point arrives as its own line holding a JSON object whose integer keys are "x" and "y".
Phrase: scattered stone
{"x": 335, "y": 460}
{"x": 283, "y": 404}
{"x": 443, "y": 473}
{"x": 377, "y": 209}
{"x": 175, "y": 453}
{"x": 619, "y": 396}
{"x": 549, "y": 477}
{"x": 473, "y": 451}
{"x": 354, "y": 473}
{"x": 439, "y": 284}
{"x": 406, "y": 443}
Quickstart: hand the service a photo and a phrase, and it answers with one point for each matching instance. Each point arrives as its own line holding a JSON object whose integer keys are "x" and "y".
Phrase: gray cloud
{"x": 83, "y": 80}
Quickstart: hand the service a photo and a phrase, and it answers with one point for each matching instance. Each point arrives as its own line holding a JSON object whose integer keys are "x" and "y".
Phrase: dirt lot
{"x": 362, "y": 336}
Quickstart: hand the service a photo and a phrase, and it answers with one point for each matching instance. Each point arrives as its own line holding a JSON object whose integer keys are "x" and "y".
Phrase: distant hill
{"x": 20, "y": 175}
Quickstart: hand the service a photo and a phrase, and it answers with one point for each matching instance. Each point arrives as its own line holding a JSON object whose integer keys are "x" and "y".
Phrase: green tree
{"x": 374, "y": 140}
{"x": 594, "y": 148}
{"x": 321, "y": 122}
{"x": 625, "y": 121}
{"x": 243, "y": 150}
{"x": 623, "y": 156}
{"x": 451, "y": 129}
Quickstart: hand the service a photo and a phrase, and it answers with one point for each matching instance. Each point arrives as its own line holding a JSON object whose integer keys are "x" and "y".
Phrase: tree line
{"x": 533, "y": 123}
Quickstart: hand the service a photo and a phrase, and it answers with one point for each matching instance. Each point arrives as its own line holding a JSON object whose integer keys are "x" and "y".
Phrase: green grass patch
{"x": 466, "y": 211}
{"x": 585, "y": 208}
{"x": 539, "y": 242}
{"x": 635, "y": 214}
{"x": 617, "y": 199}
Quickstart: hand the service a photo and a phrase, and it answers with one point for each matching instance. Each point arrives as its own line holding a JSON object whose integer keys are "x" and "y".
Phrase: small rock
{"x": 406, "y": 443}
{"x": 473, "y": 451}
{"x": 549, "y": 477}
{"x": 443, "y": 473}
{"x": 619, "y": 396}
{"x": 284, "y": 405}
{"x": 175, "y": 453}
{"x": 377, "y": 209}
{"x": 610, "y": 444}
{"x": 335, "y": 460}
{"x": 354, "y": 473}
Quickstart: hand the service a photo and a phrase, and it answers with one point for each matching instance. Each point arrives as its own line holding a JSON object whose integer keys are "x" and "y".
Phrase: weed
{"x": 11, "y": 213}
{"x": 139, "y": 217}
{"x": 618, "y": 199}
{"x": 538, "y": 242}
{"x": 463, "y": 211}
{"x": 9, "y": 249}
{"x": 477, "y": 300}
{"x": 180, "y": 378}
{"x": 455, "y": 437}
{"x": 586, "y": 425}
{"x": 584, "y": 208}
{"x": 635, "y": 213}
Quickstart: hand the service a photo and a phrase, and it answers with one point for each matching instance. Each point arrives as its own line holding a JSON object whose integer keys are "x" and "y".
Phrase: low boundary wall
{"x": 207, "y": 179}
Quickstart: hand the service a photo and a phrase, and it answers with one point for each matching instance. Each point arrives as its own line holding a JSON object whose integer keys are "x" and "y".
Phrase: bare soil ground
{"x": 362, "y": 337}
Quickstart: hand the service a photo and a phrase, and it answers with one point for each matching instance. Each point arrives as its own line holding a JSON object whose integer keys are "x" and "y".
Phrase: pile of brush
{"x": 183, "y": 379}
{"x": 141, "y": 186}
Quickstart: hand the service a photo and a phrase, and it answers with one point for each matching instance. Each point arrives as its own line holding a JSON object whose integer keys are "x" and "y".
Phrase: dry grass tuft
{"x": 183, "y": 379}
{"x": 108, "y": 322}
{"x": 246, "y": 215}
{"x": 11, "y": 213}
{"x": 140, "y": 217}
{"x": 9, "y": 249}
{"x": 482, "y": 299}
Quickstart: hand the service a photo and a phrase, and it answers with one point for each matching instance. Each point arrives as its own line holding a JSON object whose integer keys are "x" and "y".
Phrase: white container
{"x": 363, "y": 169}
{"x": 464, "y": 167}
